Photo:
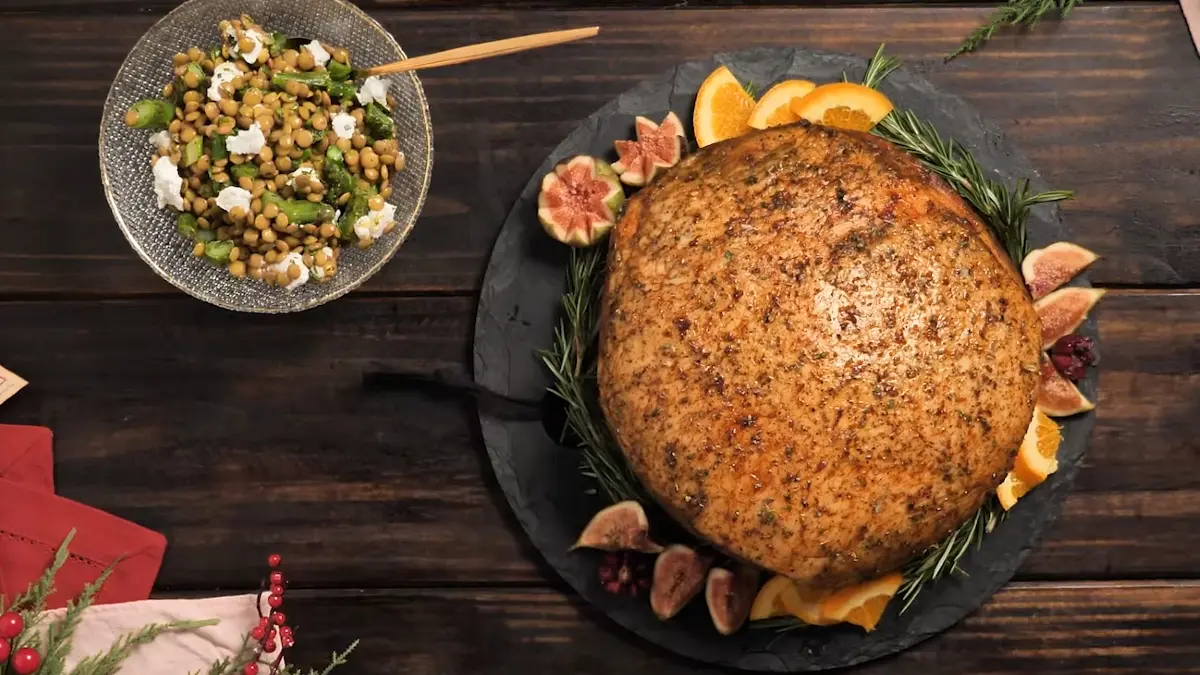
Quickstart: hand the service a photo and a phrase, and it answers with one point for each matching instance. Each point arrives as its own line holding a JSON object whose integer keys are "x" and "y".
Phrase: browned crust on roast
{"x": 813, "y": 352}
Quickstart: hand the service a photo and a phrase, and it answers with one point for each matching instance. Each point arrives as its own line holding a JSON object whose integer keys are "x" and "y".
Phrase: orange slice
{"x": 722, "y": 108}
{"x": 770, "y": 601}
{"x": 1036, "y": 459}
{"x": 1011, "y": 490}
{"x": 775, "y": 106}
{"x": 844, "y": 105}
{"x": 806, "y": 606}
{"x": 862, "y": 605}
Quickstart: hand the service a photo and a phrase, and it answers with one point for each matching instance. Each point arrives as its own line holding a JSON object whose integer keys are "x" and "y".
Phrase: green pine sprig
{"x": 572, "y": 362}
{"x": 109, "y": 662}
{"x": 1018, "y": 13}
{"x": 59, "y": 635}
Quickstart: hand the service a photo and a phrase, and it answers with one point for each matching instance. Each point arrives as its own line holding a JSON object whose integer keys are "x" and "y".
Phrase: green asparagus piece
{"x": 278, "y": 43}
{"x": 300, "y": 211}
{"x": 150, "y": 114}
{"x": 318, "y": 79}
{"x": 340, "y": 91}
{"x": 337, "y": 176}
{"x": 205, "y": 235}
{"x": 379, "y": 121}
{"x": 340, "y": 72}
{"x": 186, "y": 224}
{"x": 219, "y": 149}
{"x": 356, "y": 208}
{"x": 193, "y": 150}
{"x": 247, "y": 170}
{"x": 218, "y": 251}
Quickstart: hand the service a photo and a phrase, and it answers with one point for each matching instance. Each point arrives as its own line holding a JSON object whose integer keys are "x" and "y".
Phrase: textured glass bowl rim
{"x": 404, "y": 230}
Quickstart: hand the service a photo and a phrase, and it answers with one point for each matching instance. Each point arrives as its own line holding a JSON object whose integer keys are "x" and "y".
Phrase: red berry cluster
{"x": 24, "y": 660}
{"x": 272, "y": 631}
{"x": 623, "y": 572}
{"x": 1072, "y": 354}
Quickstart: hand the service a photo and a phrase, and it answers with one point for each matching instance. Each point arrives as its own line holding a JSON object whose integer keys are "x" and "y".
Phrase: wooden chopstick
{"x": 485, "y": 50}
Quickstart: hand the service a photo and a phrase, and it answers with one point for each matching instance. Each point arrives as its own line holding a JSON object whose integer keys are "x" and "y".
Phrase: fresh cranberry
{"x": 11, "y": 625}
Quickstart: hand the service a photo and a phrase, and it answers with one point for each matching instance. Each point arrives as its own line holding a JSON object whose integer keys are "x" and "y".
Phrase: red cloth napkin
{"x": 34, "y": 522}
{"x": 26, "y": 456}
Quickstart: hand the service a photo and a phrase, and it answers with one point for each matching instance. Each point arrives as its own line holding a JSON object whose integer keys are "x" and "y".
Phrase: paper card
{"x": 10, "y": 384}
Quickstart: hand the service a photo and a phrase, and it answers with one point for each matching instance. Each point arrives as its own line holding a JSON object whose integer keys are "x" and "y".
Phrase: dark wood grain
{"x": 1126, "y": 628}
{"x": 1104, "y": 103}
{"x": 126, "y": 5}
{"x": 234, "y": 434}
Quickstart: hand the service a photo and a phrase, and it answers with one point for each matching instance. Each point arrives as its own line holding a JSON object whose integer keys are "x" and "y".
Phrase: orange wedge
{"x": 722, "y": 108}
{"x": 844, "y": 105}
{"x": 770, "y": 601}
{"x": 1036, "y": 459}
{"x": 775, "y": 106}
{"x": 782, "y": 597}
{"x": 1011, "y": 490}
{"x": 862, "y": 605}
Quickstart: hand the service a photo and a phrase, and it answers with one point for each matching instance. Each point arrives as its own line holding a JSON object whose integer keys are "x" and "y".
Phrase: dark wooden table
{"x": 237, "y": 435}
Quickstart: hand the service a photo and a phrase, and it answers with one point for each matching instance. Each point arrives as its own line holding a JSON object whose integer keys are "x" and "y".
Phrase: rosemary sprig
{"x": 1025, "y": 13}
{"x": 1005, "y": 209}
{"x": 572, "y": 362}
{"x": 942, "y": 558}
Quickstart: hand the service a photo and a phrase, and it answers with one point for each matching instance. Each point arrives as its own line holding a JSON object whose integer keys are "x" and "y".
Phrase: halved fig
{"x": 730, "y": 595}
{"x": 620, "y": 527}
{"x": 1056, "y": 395}
{"x": 1063, "y": 310}
{"x": 678, "y": 577}
{"x": 1047, "y": 269}
{"x": 580, "y": 200}
{"x": 658, "y": 147}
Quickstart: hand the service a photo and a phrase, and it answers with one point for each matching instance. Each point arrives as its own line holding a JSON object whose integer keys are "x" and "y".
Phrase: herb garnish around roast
{"x": 1020, "y": 13}
{"x": 1005, "y": 209}
{"x": 572, "y": 361}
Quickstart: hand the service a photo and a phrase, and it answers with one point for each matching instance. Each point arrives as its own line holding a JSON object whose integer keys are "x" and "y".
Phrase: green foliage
{"x": 1018, "y": 13}
{"x": 572, "y": 362}
{"x": 32, "y": 605}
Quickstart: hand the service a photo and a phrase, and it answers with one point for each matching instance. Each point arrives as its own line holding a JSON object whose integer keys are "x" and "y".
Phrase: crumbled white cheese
{"x": 344, "y": 125}
{"x": 320, "y": 56}
{"x": 224, "y": 72}
{"x": 373, "y": 89}
{"x": 257, "y": 38}
{"x": 247, "y": 141}
{"x": 168, "y": 185}
{"x": 305, "y": 170}
{"x": 161, "y": 140}
{"x": 293, "y": 258}
{"x": 372, "y": 225}
{"x": 234, "y": 196}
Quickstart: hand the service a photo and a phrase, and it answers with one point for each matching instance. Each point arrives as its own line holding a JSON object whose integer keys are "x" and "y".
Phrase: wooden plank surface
{"x": 1112, "y": 628}
{"x": 228, "y": 431}
{"x": 1105, "y": 104}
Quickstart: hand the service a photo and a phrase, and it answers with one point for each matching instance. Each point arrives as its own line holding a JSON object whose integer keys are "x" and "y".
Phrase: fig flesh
{"x": 730, "y": 596}
{"x": 1056, "y": 395}
{"x": 1047, "y": 269}
{"x": 679, "y": 575}
{"x": 1063, "y": 310}
{"x": 580, "y": 200}
{"x": 658, "y": 147}
{"x": 620, "y": 527}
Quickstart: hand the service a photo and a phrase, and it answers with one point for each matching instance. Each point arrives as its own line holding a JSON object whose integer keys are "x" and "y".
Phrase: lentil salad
{"x": 270, "y": 154}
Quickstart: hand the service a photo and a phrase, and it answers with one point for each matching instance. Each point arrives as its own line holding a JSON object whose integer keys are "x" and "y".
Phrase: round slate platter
{"x": 519, "y": 308}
